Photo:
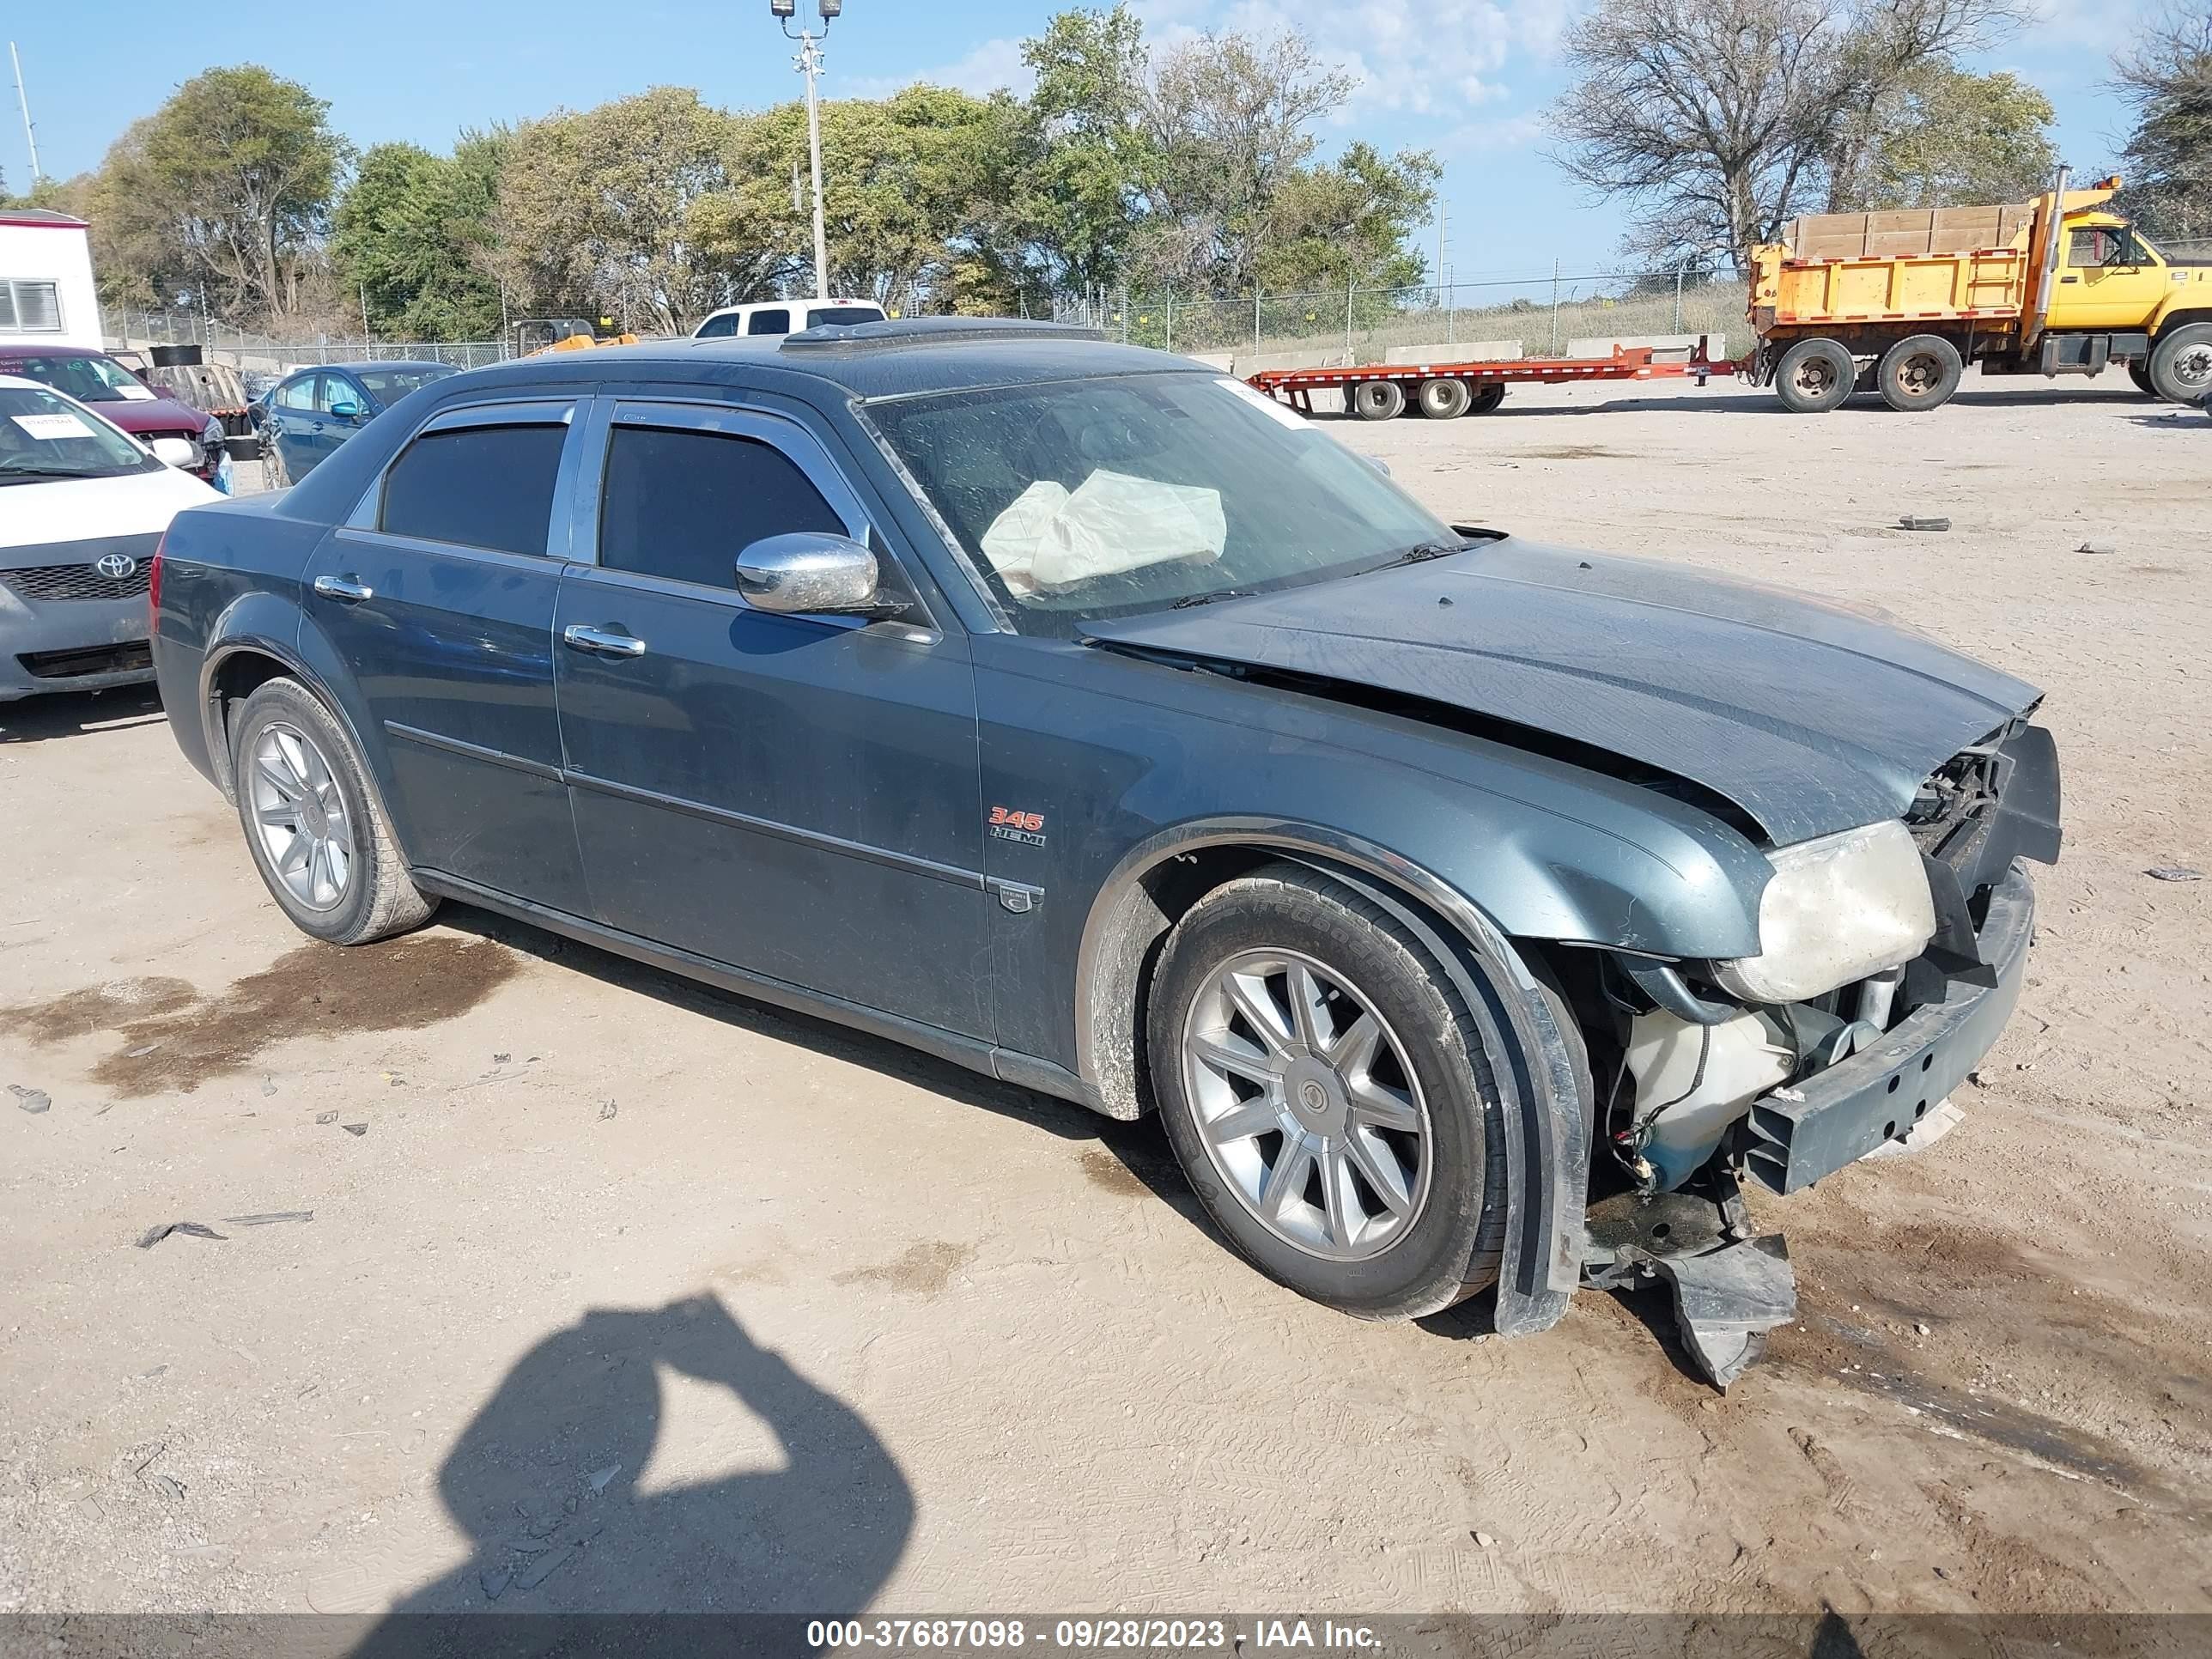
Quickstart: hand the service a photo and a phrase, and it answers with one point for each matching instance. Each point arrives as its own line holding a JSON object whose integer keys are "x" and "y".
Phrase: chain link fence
{"x": 1555, "y": 316}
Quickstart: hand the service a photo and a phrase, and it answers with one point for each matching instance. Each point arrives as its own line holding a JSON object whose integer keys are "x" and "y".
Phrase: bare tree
{"x": 2166, "y": 77}
{"x": 1718, "y": 119}
{"x": 1230, "y": 118}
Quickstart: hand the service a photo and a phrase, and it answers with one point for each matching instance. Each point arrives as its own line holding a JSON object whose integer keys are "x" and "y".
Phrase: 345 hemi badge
{"x": 1023, "y": 827}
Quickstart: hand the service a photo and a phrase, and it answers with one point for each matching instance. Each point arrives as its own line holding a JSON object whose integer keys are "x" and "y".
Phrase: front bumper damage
{"x": 1731, "y": 1287}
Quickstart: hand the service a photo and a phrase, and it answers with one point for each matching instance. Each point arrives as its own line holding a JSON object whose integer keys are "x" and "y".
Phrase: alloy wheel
{"x": 300, "y": 814}
{"x": 1306, "y": 1105}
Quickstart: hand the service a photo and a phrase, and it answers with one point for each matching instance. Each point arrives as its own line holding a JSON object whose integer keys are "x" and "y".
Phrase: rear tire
{"x": 1920, "y": 373}
{"x": 1371, "y": 1177}
{"x": 2139, "y": 372}
{"x": 274, "y": 472}
{"x": 1377, "y": 400}
{"x": 2181, "y": 363}
{"x": 1486, "y": 399}
{"x": 1444, "y": 400}
{"x": 1815, "y": 376}
{"x": 317, "y": 835}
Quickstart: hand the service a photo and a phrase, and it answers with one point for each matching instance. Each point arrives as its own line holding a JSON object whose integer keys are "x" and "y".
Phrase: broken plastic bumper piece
{"x": 1879, "y": 1096}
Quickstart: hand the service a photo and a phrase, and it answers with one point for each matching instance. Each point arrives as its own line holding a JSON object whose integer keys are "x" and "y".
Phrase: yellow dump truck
{"x": 1901, "y": 303}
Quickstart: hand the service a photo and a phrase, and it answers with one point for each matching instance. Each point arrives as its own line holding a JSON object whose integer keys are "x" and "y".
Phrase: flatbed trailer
{"x": 1444, "y": 389}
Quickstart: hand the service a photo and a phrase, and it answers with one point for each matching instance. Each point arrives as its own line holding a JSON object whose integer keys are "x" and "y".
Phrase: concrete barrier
{"x": 1248, "y": 367}
{"x": 1665, "y": 348}
{"x": 1226, "y": 361}
{"x": 1466, "y": 351}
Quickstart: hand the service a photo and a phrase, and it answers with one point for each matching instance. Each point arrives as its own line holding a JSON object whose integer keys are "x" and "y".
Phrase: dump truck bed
{"x": 1991, "y": 284}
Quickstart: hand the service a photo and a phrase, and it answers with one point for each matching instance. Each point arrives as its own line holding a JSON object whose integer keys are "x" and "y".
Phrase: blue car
{"x": 310, "y": 411}
{"x": 1470, "y": 911}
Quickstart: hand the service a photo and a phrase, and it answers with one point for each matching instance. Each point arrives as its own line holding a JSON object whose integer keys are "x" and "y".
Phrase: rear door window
{"x": 682, "y": 505}
{"x": 832, "y": 316}
{"x": 777, "y": 321}
{"x": 476, "y": 486}
{"x": 718, "y": 328}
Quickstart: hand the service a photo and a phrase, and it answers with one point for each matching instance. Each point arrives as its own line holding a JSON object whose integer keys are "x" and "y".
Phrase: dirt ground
{"x": 619, "y": 1294}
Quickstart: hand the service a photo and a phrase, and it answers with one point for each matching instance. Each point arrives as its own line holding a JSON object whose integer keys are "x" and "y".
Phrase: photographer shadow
{"x": 545, "y": 1480}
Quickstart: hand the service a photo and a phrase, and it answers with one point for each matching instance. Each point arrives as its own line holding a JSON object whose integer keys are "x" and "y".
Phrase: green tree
{"x": 227, "y": 188}
{"x": 1080, "y": 196}
{"x": 912, "y": 189}
{"x": 625, "y": 210}
{"x": 2165, "y": 78}
{"x": 1348, "y": 220}
{"x": 412, "y": 237}
{"x": 1948, "y": 138}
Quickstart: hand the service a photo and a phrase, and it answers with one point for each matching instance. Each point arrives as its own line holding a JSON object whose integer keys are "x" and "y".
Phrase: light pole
{"x": 809, "y": 64}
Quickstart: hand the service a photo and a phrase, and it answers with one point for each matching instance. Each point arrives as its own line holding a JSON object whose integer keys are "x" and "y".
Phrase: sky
{"x": 1468, "y": 79}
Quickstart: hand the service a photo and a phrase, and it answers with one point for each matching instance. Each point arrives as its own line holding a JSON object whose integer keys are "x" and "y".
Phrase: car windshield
{"x": 88, "y": 379}
{"x": 43, "y": 436}
{"x": 389, "y": 385}
{"x": 1085, "y": 499}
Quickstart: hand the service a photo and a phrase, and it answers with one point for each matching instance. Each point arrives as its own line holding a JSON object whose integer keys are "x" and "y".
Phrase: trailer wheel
{"x": 2181, "y": 363}
{"x": 1920, "y": 372}
{"x": 1486, "y": 399}
{"x": 1377, "y": 400}
{"x": 1444, "y": 400}
{"x": 1815, "y": 376}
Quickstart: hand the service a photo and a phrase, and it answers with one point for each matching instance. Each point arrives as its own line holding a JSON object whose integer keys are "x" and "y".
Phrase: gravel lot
{"x": 619, "y": 1294}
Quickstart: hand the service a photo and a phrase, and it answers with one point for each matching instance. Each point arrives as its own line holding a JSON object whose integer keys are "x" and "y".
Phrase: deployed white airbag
{"x": 1053, "y": 536}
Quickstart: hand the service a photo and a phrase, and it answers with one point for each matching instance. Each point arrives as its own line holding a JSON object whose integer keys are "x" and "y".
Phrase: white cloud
{"x": 993, "y": 64}
{"x": 1435, "y": 59}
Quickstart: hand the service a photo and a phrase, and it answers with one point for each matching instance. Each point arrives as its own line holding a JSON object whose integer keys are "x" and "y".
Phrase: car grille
{"x": 49, "y": 583}
{"x": 92, "y": 659}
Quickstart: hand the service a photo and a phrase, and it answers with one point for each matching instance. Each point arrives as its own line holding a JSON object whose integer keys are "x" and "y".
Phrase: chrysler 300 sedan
{"x": 1471, "y": 911}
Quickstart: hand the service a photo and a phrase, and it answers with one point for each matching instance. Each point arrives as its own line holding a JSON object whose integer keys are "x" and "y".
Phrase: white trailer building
{"x": 46, "y": 294}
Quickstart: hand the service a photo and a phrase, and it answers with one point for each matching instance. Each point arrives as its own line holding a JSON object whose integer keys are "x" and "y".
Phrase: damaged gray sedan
{"x": 1473, "y": 913}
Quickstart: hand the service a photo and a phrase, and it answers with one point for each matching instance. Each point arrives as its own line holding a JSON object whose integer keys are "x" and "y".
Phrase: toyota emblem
{"x": 117, "y": 567}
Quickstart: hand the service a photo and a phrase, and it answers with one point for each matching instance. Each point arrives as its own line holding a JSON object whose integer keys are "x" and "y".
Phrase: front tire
{"x": 320, "y": 841}
{"x": 2181, "y": 363}
{"x": 1328, "y": 1097}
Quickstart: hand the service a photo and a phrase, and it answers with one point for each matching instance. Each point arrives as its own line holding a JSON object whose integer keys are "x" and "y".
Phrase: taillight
{"x": 154, "y": 580}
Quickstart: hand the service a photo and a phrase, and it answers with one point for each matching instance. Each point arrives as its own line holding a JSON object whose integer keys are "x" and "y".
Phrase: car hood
{"x": 1808, "y": 717}
{"x": 51, "y": 512}
{"x": 139, "y": 415}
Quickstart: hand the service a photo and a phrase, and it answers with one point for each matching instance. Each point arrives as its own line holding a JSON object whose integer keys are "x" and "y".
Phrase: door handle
{"x": 605, "y": 642}
{"x": 343, "y": 587}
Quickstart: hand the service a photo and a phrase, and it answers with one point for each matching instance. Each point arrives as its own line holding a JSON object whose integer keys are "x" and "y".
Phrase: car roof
{"x": 379, "y": 362}
{"x": 862, "y": 360}
{"x": 33, "y": 348}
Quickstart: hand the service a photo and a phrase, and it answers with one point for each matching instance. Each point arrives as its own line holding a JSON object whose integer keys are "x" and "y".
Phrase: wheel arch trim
{"x": 223, "y": 649}
{"x": 1547, "y": 1136}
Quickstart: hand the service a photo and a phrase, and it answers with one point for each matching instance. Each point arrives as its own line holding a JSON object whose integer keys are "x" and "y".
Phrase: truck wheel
{"x": 2139, "y": 372}
{"x": 1377, "y": 400}
{"x": 1815, "y": 376}
{"x": 1444, "y": 400}
{"x": 1920, "y": 373}
{"x": 1487, "y": 399}
{"x": 1328, "y": 1097}
{"x": 2181, "y": 363}
{"x": 317, "y": 834}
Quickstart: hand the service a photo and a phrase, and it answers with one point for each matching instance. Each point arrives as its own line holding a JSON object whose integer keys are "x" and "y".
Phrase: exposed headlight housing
{"x": 1839, "y": 907}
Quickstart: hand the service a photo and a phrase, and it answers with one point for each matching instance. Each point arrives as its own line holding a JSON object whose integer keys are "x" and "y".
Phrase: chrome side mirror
{"x": 174, "y": 452}
{"x": 808, "y": 570}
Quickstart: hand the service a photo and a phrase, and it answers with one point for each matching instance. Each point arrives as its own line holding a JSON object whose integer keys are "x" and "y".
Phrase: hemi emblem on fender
{"x": 115, "y": 567}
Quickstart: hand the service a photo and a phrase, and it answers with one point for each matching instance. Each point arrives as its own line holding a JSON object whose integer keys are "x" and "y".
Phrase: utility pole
{"x": 809, "y": 64}
{"x": 30, "y": 134}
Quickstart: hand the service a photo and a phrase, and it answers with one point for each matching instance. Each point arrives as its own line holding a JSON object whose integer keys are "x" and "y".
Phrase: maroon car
{"x": 144, "y": 412}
